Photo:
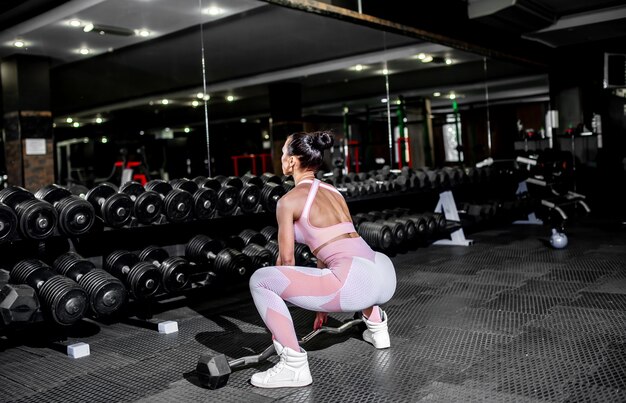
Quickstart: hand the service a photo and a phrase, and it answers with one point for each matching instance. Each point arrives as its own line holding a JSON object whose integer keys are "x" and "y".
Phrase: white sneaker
{"x": 377, "y": 334}
{"x": 291, "y": 371}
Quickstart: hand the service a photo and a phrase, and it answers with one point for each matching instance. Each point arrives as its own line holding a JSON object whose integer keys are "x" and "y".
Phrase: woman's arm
{"x": 284, "y": 216}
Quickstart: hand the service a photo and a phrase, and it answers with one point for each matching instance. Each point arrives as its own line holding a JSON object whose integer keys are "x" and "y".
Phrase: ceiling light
{"x": 88, "y": 27}
{"x": 142, "y": 32}
{"x": 385, "y": 72}
{"x": 69, "y": 120}
{"x": 195, "y": 103}
{"x": 104, "y": 140}
{"x": 436, "y": 94}
{"x": 99, "y": 120}
{"x": 75, "y": 23}
{"x": 84, "y": 51}
{"x": 230, "y": 98}
{"x": 186, "y": 130}
{"x": 448, "y": 61}
{"x": 427, "y": 59}
{"x": 18, "y": 43}
{"x": 165, "y": 101}
{"x": 452, "y": 95}
{"x": 200, "y": 95}
{"x": 358, "y": 67}
{"x": 76, "y": 124}
{"x": 384, "y": 100}
{"x": 421, "y": 56}
{"x": 243, "y": 120}
{"x": 213, "y": 11}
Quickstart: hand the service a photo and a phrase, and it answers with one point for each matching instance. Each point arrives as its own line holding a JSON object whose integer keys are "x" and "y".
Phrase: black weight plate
{"x": 52, "y": 193}
{"x": 8, "y": 223}
{"x": 249, "y": 197}
{"x": 271, "y": 178}
{"x": 249, "y": 178}
{"x": 184, "y": 184}
{"x": 148, "y": 207}
{"x": 159, "y": 186}
{"x": 227, "y": 200}
{"x": 205, "y": 201}
{"x": 37, "y": 219}
{"x": 212, "y": 183}
{"x": 175, "y": 272}
{"x": 153, "y": 254}
{"x": 178, "y": 205}
{"x": 98, "y": 195}
{"x": 13, "y": 195}
{"x": 270, "y": 194}
{"x": 117, "y": 210}
{"x": 133, "y": 189}
{"x": 79, "y": 190}
{"x": 233, "y": 181}
{"x": 120, "y": 262}
{"x": 76, "y": 216}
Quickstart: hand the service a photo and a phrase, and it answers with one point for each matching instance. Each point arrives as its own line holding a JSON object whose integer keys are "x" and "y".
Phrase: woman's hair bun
{"x": 323, "y": 140}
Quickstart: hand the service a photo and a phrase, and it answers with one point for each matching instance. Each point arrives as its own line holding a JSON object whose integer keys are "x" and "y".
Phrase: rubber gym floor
{"x": 507, "y": 319}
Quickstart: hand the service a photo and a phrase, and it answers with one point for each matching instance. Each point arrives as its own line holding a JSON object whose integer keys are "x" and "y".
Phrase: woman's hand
{"x": 320, "y": 319}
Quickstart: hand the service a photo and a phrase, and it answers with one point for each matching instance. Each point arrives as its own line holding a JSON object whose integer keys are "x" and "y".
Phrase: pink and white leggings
{"x": 357, "y": 278}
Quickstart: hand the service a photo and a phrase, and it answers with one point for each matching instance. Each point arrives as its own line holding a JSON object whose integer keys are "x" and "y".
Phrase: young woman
{"x": 350, "y": 275}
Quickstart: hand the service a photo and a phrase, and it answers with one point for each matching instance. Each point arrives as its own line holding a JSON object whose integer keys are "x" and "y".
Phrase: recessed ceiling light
{"x": 243, "y": 120}
{"x": 385, "y": 72}
{"x": 186, "y": 130}
{"x": 436, "y": 94}
{"x": 421, "y": 56}
{"x": 230, "y": 98}
{"x": 358, "y": 67}
{"x": 195, "y": 103}
{"x": 88, "y": 27}
{"x": 84, "y": 51}
{"x": 448, "y": 61}
{"x": 69, "y": 120}
{"x": 18, "y": 43}
{"x": 384, "y": 100}
{"x": 213, "y": 11}
{"x": 76, "y": 124}
{"x": 200, "y": 95}
{"x": 99, "y": 120}
{"x": 452, "y": 95}
{"x": 427, "y": 59}
{"x": 104, "y": 140}
{"x": 143, "y": 33}
{"x": 75, "y": 23}
{"x": 165, "y": 101}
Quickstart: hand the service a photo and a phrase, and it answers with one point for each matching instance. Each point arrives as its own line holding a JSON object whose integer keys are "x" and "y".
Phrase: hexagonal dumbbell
{"x": 18, "y": 302}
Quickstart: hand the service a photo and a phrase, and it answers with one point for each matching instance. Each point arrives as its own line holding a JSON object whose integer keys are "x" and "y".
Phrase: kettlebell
{"x": 558, "y": 239}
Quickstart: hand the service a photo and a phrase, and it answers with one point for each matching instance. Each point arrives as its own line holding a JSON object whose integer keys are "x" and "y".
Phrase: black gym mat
{"x": 508, "y": 319}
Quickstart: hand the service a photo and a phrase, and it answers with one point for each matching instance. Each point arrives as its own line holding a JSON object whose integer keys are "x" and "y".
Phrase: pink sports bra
{"x": 314, "y": 236}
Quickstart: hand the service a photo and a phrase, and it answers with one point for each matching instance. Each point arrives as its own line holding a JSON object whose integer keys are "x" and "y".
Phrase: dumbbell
{"x": 397, "y": 229}
{"x": 175, "y": 270}
{"x": 250, "y": 178}
{"x": 36, "y": 219}
{"x": 204, "y": 198}
{"x": 78, "y": 190}
{"x": 252, "y": 244}
{"x": 114, "y": 208}
{"x": 248, "y": 236}
{"x": 301, "y": 253}
{"x": 225, "y": 262}
{"x": 62, "y": 299}
{"x": 288, "y": 185}
{"x": 76, "y": 215}
{"x": 178, "y": 204}
{"x": 269, "y": 177}
{"x": 227, "y": 196}
{"x": 8, "y": 223}
{"x": 270, "y": 194}
{"x": 147, "y": 204}
{"x": 141, "y": 278}
{"x": 249, "y": 194}
{"x": 106, "y": 293}
{"x": 18, "y": 302}
{"x": 376, "y": 234}
{"x": 213, "y": 372}
{"x": 269, "y": 233}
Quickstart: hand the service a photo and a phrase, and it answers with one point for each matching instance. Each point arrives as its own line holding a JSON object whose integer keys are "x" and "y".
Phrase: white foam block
{"x": 78, "y": 350}
{"x": 168, "y": 327}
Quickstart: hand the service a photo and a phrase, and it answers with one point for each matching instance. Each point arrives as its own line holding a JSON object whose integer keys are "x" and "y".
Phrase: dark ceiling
{"x": 262, "y": 42}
